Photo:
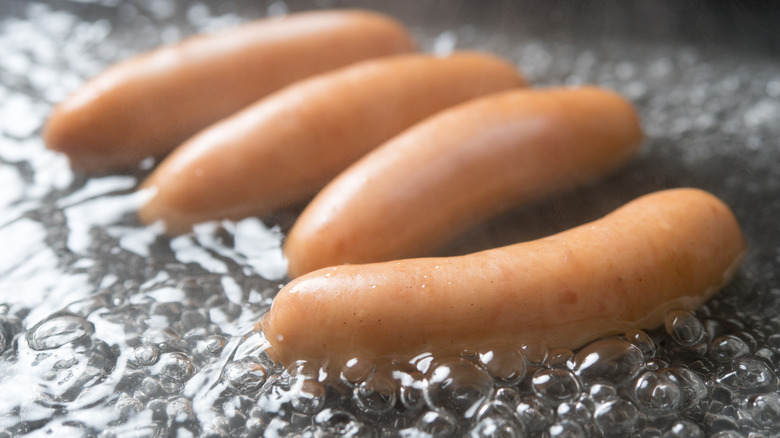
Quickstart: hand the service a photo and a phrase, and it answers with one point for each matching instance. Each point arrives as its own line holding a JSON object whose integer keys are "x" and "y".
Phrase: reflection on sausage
{"x": 283, "y": 149}
{"x": 668, "y": 250}
{"x": 148, "y": 105}
{"x": 460, "y": 167}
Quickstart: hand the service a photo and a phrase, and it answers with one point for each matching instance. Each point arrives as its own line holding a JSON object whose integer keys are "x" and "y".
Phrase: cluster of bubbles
{"x": 112, "y": 329}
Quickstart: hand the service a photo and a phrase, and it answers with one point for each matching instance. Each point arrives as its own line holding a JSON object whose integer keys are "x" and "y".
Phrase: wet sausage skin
{"x": 460, "y": 167}
{"x": 149, "y": 104}
{"x": 283, "y": 149}
{"x": 667, "y": 250}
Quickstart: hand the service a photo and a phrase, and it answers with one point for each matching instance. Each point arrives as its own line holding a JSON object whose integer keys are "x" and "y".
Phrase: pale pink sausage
{"x": 668, "y": 250}
{"x": 281, "y": 150}
{"x": 460, "y": 167}
{"x": 148, "y": 105}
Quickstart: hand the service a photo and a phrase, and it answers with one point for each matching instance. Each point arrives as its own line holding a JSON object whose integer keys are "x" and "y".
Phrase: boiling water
{"x": 109, "y": 328}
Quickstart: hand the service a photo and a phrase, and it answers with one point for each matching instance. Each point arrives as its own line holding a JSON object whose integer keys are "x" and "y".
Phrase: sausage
{"x": 149, "y": 104}
{"x": 286, "y": 147}
{"x": 668, "y": 250}
{"x": 460, "y": 167}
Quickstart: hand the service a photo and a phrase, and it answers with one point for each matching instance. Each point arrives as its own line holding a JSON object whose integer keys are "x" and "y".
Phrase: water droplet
{"x": 58, "y": 330}
{"x": 458, "y": 386}
{"x": 555, "y": 384}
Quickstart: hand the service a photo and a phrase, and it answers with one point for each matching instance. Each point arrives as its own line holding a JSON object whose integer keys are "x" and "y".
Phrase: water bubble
{"x": 212, "y": 345}
{"x": 194, "y": 319}
{"x": 180, "y": 411}
{"x": 560, "y": 358}
{"x": 457, "y": 386}
{"x": 656, "y": 391}
{"x": 245, "y": 375}
{"x": 727, "y": 348}
{"x": 278, "y": 427}
{"x": 722, "y": 426}
{"x": 685, "y": 328}
{"x": 175, "y": 367}
{"x": 437, "y": 424}
{"x": 504, "y": 362}
{"x": 375, "y": 396}
{"x": 765, "y": 409}
{"x": 145, "y": 355}
{"x": 58, "y": 330}
{"x": 166, "y": 339}
{"x": 535, "y": 353}
{"x": 149, "y": 388}
{"x": 338, "y": 422}
{"x": 70, "y": 371}
{"x": 127, "y": 405}
{"x": 602, "y": 393}
{"x": 555, "y": 384}
{"x": 496, "y": 427}
{"x": 575, "y": 411}
{"x": 495, "y": 409}
{"x": 357, "y": 370}
{"x": 509, "y": 396}
{"x": 308, "y": 395}
{"x": 616, "y": 418}
{"x": 641, "y": 339}
{"x": 693, "y": 386}
{"x": 410, "y": 389}
{"x": 4, "y": 337}
{"x": 684, "y": 429}
{"x": 608, "y": 360}
{"x": 566, "y": 429}
{"x": 534, "y": 414}
{"x": 747, "y": 375}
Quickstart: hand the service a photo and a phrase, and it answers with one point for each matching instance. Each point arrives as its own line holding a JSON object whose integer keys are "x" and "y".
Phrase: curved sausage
{"x": 148, "y": 105}
{"x": 460, "y": 167}
{"x": 668, "y": 250}
{"x": 283, "y": 149}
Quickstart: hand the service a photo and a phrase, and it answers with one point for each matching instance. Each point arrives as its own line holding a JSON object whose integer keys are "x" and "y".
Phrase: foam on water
{"x": 110, "y": 328}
